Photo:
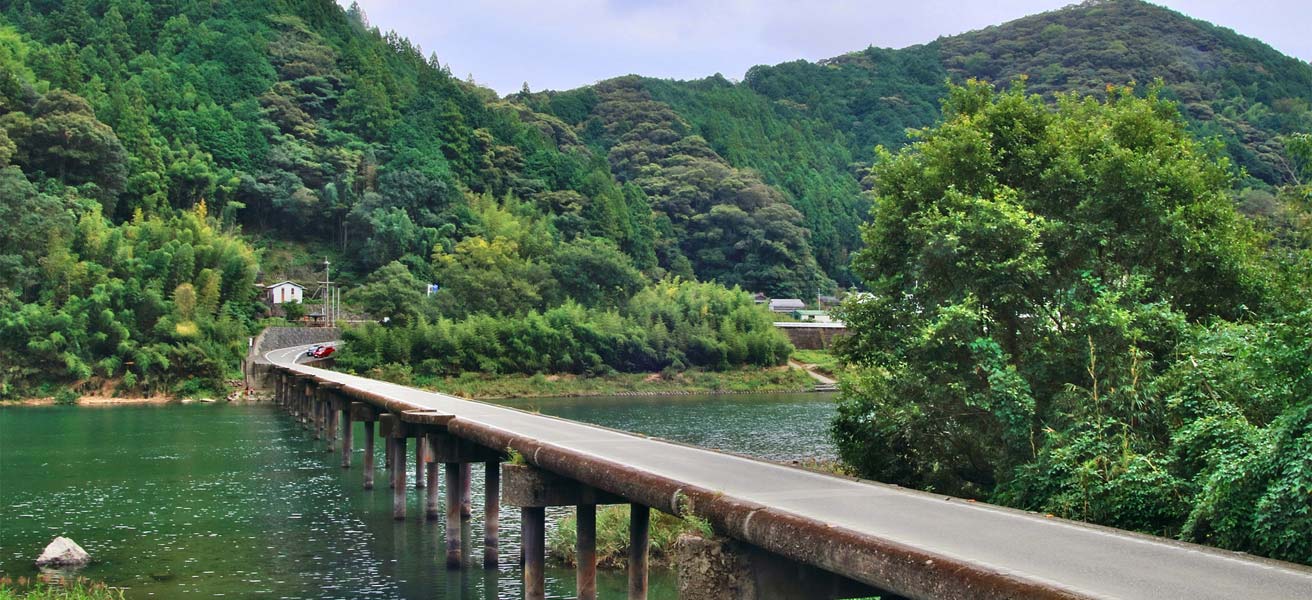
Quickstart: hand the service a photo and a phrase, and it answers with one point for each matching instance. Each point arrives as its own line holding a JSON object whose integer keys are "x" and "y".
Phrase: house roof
{"x": 274, "y": 285}
{"x": 787, "y": 303}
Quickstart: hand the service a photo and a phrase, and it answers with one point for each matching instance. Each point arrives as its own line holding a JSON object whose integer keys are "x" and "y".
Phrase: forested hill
{"x": 803, "y": 125}
{"x": 1230, "y": 86}
{"x": 157, "y": 158}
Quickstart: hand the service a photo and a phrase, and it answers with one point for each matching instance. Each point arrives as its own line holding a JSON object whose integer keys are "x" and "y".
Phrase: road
{"x": 1031, "y": 552}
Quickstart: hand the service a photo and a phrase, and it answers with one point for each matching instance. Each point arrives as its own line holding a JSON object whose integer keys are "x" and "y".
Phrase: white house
{"x": 285, "y": 291}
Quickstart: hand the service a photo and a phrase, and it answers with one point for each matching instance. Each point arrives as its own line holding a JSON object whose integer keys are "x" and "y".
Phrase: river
{"x": 233, "y": 501}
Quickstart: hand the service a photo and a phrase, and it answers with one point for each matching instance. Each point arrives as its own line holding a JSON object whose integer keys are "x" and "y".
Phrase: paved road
{"x": 1079, "y": 560}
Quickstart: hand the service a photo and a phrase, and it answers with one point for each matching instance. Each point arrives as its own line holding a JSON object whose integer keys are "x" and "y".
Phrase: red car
{"x": 320, "y": 351}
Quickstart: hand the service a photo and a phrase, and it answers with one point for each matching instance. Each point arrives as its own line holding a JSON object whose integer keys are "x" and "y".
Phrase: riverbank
{"x": 91, "y": 401}
{"x": 104, "y": 395}
{"x": 478, "y": 386}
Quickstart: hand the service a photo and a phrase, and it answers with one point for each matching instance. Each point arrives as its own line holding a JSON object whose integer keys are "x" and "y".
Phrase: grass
{"x": 821, "y": 360}
{"x": 613, "y": 537}
{"x": 483, "y": 386}
{"x": 24, "y": 589}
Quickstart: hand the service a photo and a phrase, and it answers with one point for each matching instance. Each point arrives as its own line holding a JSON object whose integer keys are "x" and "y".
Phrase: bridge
{"x": 786, "y": 532}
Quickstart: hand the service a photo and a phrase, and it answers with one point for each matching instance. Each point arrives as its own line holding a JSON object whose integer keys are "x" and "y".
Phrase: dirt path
{"x": 819, "y": 377}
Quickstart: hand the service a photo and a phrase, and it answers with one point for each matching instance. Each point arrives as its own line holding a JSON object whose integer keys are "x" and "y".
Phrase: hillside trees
{"x": 1047, "y": 287}
{"x": 727, "y": 223}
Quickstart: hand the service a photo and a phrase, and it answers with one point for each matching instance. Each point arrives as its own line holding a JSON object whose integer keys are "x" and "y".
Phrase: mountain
{"x": 158, "y": 157}
{"x": 807, "y": 127}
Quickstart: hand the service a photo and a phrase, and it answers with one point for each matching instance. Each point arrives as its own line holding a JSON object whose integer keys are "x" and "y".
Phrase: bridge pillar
{"x": 366, "y": 414}
{"x": 421, "y": 458}
{"x": 432, "y": 504}
{"x": 307, "y": 394}
{"x": 454, "y": 523}
{"x": 387, "y": 461}
{"x": 534, "y": 530}
{"x": 586, "y": 551}
{"x": 348, "y": 431}
{"x": 455, "y": 454}
{"x": 396, "y": 431}
{"x": 331, "y": 402}
{"x": 316, "y": 413}
{"x": 398, "y": 478}
{"x": 492, "y": 514}
{"x": 639, "y": 540}
{"x": 533, "y": 489}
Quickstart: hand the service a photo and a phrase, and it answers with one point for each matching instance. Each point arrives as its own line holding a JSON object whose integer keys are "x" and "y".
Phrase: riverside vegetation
{"x": 1094, "y": 315}
{"x": 71, "y": 591}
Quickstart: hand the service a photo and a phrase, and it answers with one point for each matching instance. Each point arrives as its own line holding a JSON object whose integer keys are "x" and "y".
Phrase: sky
{"x": 564, "y": 44}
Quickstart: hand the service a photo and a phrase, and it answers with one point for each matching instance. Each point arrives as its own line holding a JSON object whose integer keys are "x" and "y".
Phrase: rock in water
{"x": 63, "y": 552}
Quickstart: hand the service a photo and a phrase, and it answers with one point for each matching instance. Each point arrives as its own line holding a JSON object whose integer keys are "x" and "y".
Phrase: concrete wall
{"x": 813, "y": 338}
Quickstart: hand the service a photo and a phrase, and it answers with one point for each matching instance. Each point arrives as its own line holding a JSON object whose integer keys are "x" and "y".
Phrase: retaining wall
{"x": 813, "y": 337}
{"x": 255, "y": 369}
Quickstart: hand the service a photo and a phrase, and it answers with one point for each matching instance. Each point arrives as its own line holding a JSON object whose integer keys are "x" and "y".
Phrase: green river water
{"x": 232, "y": 501}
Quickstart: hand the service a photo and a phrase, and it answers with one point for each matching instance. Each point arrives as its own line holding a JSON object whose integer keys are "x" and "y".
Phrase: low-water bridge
{"x": 791, "y": 533}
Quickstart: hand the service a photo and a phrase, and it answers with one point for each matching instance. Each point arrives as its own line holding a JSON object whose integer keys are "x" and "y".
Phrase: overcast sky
{"x": 563, "y": 44}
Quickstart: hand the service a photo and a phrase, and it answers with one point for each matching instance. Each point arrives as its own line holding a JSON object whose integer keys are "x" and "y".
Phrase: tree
{"x": 493, "y": 277}
{"x": 64, "y": 140}
{"x": 391, "y": 293}
{"x": 1026, "y": 267}
{"x": 593, "y": 272}
{"x": 293, "y": 311}
{"x": 31, "y": 219}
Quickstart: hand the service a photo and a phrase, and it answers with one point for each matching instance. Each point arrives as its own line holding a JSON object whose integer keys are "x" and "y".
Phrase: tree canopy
{"x": 1046, "y": 286}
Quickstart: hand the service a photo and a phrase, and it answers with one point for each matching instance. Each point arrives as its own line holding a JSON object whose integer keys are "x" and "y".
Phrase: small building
{"x": 285, "y": 291}
{"x": 786, "y": 305}
{"x": 811, "y": 316}
{"x": 760, "y": 298}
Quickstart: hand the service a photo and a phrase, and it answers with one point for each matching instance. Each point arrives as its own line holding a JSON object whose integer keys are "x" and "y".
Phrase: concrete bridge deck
{"x": 915, "y": 544}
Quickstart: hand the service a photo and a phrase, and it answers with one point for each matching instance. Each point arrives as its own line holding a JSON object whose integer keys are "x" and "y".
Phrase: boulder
{"x": 63, "y": 552}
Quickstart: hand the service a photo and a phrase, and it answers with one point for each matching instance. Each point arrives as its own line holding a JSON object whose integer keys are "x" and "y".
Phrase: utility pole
{"x": 327, "y": 294}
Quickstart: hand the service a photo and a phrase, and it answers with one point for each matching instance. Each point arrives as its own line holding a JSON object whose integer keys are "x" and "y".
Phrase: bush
{"x": 67, "y": 396}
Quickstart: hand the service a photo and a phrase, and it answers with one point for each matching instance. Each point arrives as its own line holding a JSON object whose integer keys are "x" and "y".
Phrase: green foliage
{"x": 613, "y": 537}
{"x": 73, "y": 590}
{"x": 100, "y": 301}
{"x": 1067, "y": 314}
{"x": 668, "y": 324}
{"x": 391, "y": 293}
{"x": 66, "y": 396}
{"x": 293, "y": 311}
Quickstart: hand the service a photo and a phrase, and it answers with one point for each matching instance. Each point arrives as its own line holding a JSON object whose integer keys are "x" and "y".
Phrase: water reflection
{"x": 237, "y": 502}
